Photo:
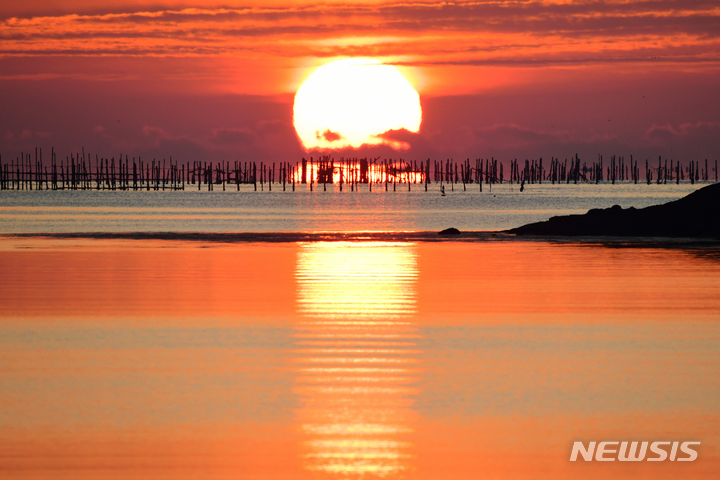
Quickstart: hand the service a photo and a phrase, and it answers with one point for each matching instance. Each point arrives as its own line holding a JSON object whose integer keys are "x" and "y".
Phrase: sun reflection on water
{"x": 356, "y": 357}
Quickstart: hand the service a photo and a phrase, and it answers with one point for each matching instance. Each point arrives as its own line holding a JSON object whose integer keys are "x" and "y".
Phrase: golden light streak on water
{"x": 366, "y": 351}
{"x": 356, "y": 282}
{"x": 355, "y": 343}
{"x": 356, "y": 360}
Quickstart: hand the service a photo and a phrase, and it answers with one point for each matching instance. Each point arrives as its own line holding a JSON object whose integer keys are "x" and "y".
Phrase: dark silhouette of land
{"x": 449, "y": 231}
{"x": 694, "y": 216}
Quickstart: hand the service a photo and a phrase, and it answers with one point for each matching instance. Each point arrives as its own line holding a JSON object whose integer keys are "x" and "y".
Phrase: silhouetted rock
{"x": 450, "y": 231}
{"x": 696, "y": 215}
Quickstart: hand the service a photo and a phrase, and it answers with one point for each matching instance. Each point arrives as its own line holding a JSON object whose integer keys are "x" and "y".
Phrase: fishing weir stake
{"x": 82, "y": 172}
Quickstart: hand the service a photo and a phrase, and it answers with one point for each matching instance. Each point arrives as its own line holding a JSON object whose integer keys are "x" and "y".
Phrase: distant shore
{"x": 696, "y": 215}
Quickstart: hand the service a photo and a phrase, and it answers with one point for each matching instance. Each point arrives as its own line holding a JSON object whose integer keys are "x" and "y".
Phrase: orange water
{"x": 150, "y": 359}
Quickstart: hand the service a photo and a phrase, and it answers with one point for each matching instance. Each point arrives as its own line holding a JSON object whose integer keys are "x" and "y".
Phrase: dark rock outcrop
{"x": 450, "y": 231}
{"x": 696, "y": 215}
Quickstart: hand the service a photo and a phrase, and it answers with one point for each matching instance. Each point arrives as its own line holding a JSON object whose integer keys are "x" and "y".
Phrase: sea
{"x": 317, "y": 355}
{"x": 324, "y": 209}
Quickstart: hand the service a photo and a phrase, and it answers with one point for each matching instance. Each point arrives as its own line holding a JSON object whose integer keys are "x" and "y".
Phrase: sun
{"x": 351, "y": 102}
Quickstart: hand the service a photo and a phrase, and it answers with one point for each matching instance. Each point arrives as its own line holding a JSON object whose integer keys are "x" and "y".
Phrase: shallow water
{"x": 160, "y": 359}
{"x": 499, "y": 208}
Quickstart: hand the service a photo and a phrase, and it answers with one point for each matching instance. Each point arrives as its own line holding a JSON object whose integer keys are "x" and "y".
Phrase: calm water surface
{"x": 499, "y": 208}
{"x": 158, "y": 359}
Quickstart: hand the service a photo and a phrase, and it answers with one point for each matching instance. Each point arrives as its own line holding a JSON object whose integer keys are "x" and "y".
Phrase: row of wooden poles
{"x": 80, "y": 172}
{"x": 618, "y": 170}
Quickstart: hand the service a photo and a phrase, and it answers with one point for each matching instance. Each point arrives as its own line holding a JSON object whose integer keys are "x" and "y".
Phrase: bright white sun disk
{"x": 349, "y": 103}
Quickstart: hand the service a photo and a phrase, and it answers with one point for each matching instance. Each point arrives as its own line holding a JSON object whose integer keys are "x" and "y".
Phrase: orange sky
{"x": 211, "y": 80}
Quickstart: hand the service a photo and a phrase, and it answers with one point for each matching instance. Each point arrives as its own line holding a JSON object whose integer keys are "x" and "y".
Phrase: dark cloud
{"x": 329, "y": 136}
{"x": 662, "y": 133}
{"x": 400, "y": 135}
{"x": 688, "y": 140}
{"x": 233, "y": 136}
{"x": 686, "y": 130}
{"x": 274, "y": 127}
{"x": 507, "y": 136}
